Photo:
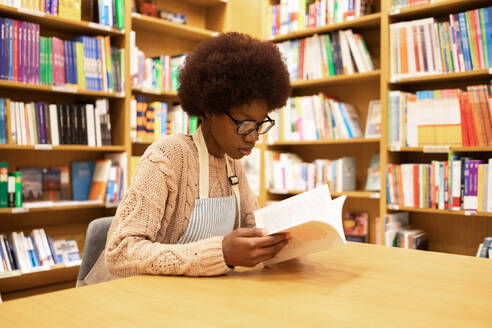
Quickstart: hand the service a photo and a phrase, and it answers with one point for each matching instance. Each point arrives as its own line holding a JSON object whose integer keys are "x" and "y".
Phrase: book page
{"x": 313, "y": 220}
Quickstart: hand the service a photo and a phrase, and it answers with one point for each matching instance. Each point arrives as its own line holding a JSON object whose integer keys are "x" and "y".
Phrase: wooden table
{"x": 357, "y": 285}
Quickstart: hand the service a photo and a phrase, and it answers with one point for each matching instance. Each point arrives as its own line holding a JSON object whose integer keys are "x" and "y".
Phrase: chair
{"x": 95, "y": 242}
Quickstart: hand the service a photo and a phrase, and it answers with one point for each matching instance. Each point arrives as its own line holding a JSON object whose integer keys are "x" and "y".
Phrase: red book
{"x": 416, "y": 189}
{"x": 464, "y": 122}
{"x": 301, "y": 58}
{"x": 483, "y": 103}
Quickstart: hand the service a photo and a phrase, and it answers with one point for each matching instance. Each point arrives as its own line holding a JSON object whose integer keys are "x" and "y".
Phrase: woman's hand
{"x": 248, "y": 246}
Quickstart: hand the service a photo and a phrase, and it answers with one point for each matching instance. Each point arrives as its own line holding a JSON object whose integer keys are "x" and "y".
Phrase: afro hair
{"x": 231, "y": 70}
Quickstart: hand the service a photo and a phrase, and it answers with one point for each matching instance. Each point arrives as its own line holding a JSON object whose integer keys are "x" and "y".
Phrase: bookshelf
{"x": 449, "y": 231}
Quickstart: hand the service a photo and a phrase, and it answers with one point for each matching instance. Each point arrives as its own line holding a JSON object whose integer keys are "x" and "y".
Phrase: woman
{"x": 180, "y": 214}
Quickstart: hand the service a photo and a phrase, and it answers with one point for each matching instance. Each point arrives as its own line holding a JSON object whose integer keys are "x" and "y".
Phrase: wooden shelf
{"x": 157, "y": 26}
{"x": 325, "y": 142}
{"x": 352, "y": 194}
{"x": 436, "y": 211}
{"x": 368, "y": 21}
{"x": 337, "y": 80}
{"x": 442, "y": 149}
{"x": 206, "y": 3}
{"x": 437, "y": 9}
{"x": 55, "y": 22}
{"x": 58, "y": 89}
{"x": 65, "y": 148}
{"x": 56, "y": 274}
{"x": 446, "y": 77}
{"x": 61, "y": 206}
{"x": 167, "y": 94}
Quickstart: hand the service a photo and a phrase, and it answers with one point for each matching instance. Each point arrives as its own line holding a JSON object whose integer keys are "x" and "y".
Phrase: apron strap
{"x": 203, "y": 165}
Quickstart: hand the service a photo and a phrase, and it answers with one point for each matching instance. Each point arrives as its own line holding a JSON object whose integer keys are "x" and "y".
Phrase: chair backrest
{"x": 95, "y": 242}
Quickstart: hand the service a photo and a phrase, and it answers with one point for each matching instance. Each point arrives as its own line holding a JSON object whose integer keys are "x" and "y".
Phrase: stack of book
{"x": 326, "y": 55}
{"x": 155, "y": 73}
{"x": 399, "y": 233}
{"x": 87, "y": 62}
{"x": 35, "y": 252}
{"x": 10, "y": 187}
{"x": 461, "y": 183}
{"x": 150, "y": 121}
{"x": 441, "y": 117}
{"x": 294, "y": 15}
{"x": 316, "y": 117}
{"x": 425, "y": 47}
{"x": 55, "y": 124}
{"x": 286, "y": 172}
{"x": 107, "y": 12}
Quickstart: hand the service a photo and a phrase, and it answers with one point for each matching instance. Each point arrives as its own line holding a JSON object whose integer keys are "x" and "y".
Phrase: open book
{"x": 312, "y": 218}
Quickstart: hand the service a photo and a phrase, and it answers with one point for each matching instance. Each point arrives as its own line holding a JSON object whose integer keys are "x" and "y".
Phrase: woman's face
{"x": 221, "y": 130}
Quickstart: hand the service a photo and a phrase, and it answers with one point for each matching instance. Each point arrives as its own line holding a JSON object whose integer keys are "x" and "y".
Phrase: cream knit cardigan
{"x": 156, "y": 210}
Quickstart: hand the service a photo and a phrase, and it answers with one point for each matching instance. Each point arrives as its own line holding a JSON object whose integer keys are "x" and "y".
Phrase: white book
{"x": 485, "y": 187}
{"x": 456, "y": 185}
{"x": 91, "y": 129}
{"x": 44, "y": 239}
{"x": 356, "y": 54}
{"x": 407, "y": 177}
{"x": 489, "y": 187}
{"x": 13, "y": 125}
{"x": 6, "y": 265}
{"x": 42, "y": 252}
{"x": 55, "y": 137}
{"x": 348, "y": 65}
{"x": 312, "y": 218}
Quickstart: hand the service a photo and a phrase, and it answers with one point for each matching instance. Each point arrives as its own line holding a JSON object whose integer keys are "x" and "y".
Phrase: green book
{"x": 120, "y": 14}
{"x": 483, "y": 39}
{"x": 18, "y": 189}
{"x": 329, "y": 55}
{"x": 4, "y": 194}
{"x": 471, "y": 41}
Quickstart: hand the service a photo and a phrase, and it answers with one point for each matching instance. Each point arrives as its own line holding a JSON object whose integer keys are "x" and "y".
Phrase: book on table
{"x": 312, "y": 218}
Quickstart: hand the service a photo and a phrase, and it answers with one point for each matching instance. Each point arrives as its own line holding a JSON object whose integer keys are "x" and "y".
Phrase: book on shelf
{"x": 36, "y": 123}
{"x": 461, "y": 183}
{"x": 399, "y": 233}
{"x": 35, "y": 252}
{"x": 485, "y": 248}
{"x": 113, "y": 13}
{"x": 426, "y": 46}
{"x": 355, "y": 227}
{"x": 150, "y": 121}
{"x": 32, "y": 183}
{"x": 294, "y": 15}
{"x": 313, "y": 220}
{"x": 318, "y": 117}
{"x": 287, "y": 172}
{"x": 323, "y": 55}
{"x": 373, "y": 122}
{"x": 154, "y": 73}
{"x": 373, "y": 180}
{"x": 451, "y": 117}
{"x": 399, "y": 4}
{"x": 10, "y": 187}
{"x": 87, "y": 62}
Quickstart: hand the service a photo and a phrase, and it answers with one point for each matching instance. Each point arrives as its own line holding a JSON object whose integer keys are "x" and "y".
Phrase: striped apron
{"x": 211, "y": 216}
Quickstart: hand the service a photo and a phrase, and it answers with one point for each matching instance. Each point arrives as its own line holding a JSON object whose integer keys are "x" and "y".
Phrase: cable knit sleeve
{"x": 249, "y": 201}
{"x": 132, "y": 247}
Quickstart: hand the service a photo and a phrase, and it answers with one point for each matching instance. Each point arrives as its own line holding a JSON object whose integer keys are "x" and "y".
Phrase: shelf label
{"x": 100, "y": 26}
{"x": 136, "y": 15}
{"x": 12, "y": 273}
{"x": 64, "y": 88}
{"x": 436, "y": 149}
{"x": 270, "y": 38}
{"x": 152, "y": 90}
{"x": 43, "y": 147}
{"x": 20, "y": 210}
{"x": 490, "y": 70}
{"x": 393, "y": 207}
{"x": 375, "y": 195}
{"x": 470, "y": 213}
{"x": 215, "y": 34}
{"x": 394, "y": 79}
{"x": 73, "y": 263}
{"x": 30, "y": 12}
{"x": 120, "y": 94}
{"x": 395, "y": 11}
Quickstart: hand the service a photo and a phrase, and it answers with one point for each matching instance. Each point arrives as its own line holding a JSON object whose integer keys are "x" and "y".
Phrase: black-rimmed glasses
{"x": 245, "y": 127}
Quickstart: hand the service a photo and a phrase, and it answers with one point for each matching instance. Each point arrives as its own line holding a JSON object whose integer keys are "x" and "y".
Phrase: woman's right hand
{"x": 249, "y": 246}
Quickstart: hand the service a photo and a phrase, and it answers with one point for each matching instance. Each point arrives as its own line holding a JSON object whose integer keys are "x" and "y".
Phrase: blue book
{"x": 488, "y": 29}
{"x": 11, "y": 50}
{"x": 2, "y": 48}
{"x": 342, "y": 110}
{"x": 464, "y": 40}
{"x": 35, "y": 251}
{"x": 82, "y": 173}
{"x": 3, "y": 122}
{"x": 74, "y": 62}
{"x": 52, "y": 249}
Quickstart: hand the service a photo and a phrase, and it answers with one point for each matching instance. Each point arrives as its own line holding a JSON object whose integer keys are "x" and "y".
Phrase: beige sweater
{"x": 156, "y": 209}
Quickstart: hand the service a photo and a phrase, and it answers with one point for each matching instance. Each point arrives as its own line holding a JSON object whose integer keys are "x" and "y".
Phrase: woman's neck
{"x": 212, "y": 146}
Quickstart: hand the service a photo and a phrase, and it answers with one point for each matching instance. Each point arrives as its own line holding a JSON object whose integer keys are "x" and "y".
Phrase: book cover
{"x": 312, "y": 218}
{"x": 100, "y": 180}
{"x": 32, "y": 184}
{"x": 4, "y": 184}
{"x": 66, "y": 251}
{"x": 82, "y": 173}
{"x": 51, "y": 184}
{"x": 355, "y": 227}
